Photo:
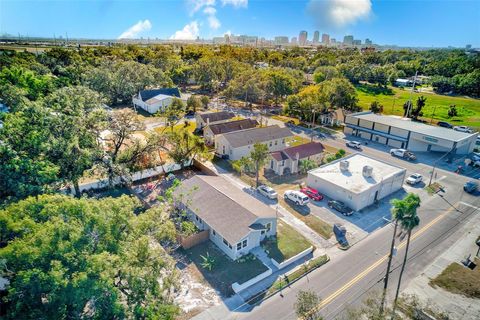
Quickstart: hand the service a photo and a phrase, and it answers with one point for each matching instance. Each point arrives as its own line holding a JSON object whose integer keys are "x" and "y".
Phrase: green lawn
{"x": 286, "y": 119}
{"x": 225, "y": 271}
{"x": 296, "y": 141}
{"x": 468, "y": 108}
{"x": 181, "y": 125}
{"x": 287, "y": 243}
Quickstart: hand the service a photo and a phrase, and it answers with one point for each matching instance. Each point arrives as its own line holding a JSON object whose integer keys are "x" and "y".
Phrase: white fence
{"x": 292, "y": 259}
{"x": 139, "y": 175}
{"x": 239, "y": 287}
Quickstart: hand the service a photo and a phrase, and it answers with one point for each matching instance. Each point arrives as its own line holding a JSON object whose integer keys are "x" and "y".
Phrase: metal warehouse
{"x": 400, "y": 132}
{"x": 357, "y": 180}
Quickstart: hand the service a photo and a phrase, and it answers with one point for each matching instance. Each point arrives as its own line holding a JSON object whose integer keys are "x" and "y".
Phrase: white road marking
{"x": 469, "y": 205}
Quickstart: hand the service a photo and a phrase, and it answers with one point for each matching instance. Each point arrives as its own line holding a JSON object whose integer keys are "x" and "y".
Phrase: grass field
{"x": 458, "y": 279}
{"x": 287, "y": 244}
{"x": 436, "y": 105}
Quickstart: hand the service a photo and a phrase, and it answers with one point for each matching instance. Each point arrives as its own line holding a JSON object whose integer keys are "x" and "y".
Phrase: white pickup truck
{"x": 403, "y": 153}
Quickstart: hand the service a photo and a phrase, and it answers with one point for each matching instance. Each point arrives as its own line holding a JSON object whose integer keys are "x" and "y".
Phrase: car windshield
{"x": 271, "y": 191}
{"x": 304, "y": 198}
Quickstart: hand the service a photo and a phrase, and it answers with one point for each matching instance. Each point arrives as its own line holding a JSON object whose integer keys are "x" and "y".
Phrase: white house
{"x": 239, "y": 144}
{"x": 287, "y": 161}
{"x": 213, "y": 130}
{"x": 237, "y": 222}
{"x": 155, "y": 100}
{"x": 332, "y": 118}
{"x": 357, "y": 180}
{"x": 209, "y": 118}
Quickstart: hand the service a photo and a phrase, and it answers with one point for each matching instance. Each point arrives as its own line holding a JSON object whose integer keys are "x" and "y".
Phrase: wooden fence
{"x": 193, "y": 240}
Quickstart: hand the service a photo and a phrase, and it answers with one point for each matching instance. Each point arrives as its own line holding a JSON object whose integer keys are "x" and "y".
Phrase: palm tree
{"x": 259, "y": 156}
{"x": 400, "y": 208}
{"x": 408, "y": 221}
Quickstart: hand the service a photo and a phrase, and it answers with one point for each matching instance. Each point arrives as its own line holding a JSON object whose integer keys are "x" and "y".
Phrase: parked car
{"x": 471, "y": 186}
{"x": 413, "y": 179}
{"x": 340, "y": 207}
{"x": 312, "y": 193}
{"x": 354, "y": 144}
{"x": 463, "y": 129}
{"x": 267, "y": 192}
{"x": 403, "y": 153}
{"x": 296, "y": 197}
{"x": 444, "y": 124}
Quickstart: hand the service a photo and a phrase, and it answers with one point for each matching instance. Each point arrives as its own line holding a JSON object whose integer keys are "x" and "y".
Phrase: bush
{"x": 188, "y": 228}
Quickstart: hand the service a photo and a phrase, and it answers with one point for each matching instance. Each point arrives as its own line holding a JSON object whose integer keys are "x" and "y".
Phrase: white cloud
{"x": 213, "y": 21}
{"x": 338, "y": 13}
{"x": 236, "y": 3}
{"x": 136, "y": 29}
{"x": 189, "y": 32}
{"x": 196, "y": 5}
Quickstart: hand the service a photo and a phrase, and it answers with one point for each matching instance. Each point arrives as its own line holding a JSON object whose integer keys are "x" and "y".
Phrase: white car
{"x": 403, "y": 153}
{"x": 463, "y": 129}
{"x": 267, "y": 192}
{"x": 296, "y": 197}
{"x": 354, "y": 144}
{"x": 414, "y": 179}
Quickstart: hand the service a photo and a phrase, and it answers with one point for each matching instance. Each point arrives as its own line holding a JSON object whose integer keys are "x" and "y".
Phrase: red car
{"x": 312, "y": 193}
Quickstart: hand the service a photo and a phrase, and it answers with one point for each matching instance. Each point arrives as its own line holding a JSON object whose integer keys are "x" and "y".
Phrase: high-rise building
{"x": 302, "y": 38}
{"x": 325, "y": 38}
{"x": 333, "y": 41}
{"x": 281, "y": 40}
{"x": 357, "y": 42}
{"x": 368, "y": 42}
{"x": 294, "y": 40}
{"x": 348, "y": 40}
{"x": 468, "y": 46}
{"x": 316, "y": 36}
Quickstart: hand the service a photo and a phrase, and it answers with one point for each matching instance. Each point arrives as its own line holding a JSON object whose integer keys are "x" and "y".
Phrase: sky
{"x": 426, "y": 23}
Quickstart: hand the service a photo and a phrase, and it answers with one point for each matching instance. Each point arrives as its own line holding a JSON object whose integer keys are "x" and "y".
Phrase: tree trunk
{"x": 256, "y": 174}
{"x": 76, "y": 186}
{"x": 401, "y": 274}
{"x": 387, "y": 274}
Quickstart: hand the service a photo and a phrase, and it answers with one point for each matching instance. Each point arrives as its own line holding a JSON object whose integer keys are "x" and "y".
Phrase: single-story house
{"x": 154, "y": 100}
{"x": 403, "y": 82}
{"x": 239, "y": 144}
{"x": 212, "y": 130}
{"x": 237, "y": 222}
{"x": 205, "y": 119}
{"x": 332, "y": 118}
{"x": 287, "y": 161}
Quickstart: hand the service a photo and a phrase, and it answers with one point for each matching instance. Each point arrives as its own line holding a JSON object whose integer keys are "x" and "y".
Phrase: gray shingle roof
{"x": 304, "y": 151}
{"x": 254, "y": 135}
{"x": 225, "y": 208}
{"x": 231, "y": 126}
{"x": 216, "y": 116}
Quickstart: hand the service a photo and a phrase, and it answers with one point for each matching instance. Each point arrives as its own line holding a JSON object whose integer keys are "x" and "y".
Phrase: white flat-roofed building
{"x": 400, "y": 132}
{"x": 357, "y": 180}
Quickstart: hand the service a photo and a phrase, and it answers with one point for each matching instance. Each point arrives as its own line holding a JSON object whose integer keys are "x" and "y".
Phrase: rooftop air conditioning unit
{"x": 367, "y": 171}
{"x": 344, "y": 165}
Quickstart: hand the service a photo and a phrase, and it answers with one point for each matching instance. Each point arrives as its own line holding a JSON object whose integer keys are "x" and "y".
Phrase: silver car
{"x": 267, "y": 192}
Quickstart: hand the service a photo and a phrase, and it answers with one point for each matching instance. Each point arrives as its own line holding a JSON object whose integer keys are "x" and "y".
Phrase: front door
{"x": 429, "y": 147}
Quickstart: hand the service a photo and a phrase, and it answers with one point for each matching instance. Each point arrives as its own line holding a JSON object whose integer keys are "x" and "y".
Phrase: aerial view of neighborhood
{"x": 240, "y": 159}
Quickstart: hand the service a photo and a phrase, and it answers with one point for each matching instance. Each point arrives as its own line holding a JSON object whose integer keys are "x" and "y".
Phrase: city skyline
{"x": 452, "y": 24}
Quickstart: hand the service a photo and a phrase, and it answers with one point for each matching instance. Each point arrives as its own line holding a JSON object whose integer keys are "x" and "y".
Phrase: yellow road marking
{"x": 360, "y": 276}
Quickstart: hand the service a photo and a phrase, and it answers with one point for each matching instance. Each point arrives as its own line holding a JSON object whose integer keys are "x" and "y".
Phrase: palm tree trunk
{"x": 387, "y": 274}
{"x": 401, "y": 274}
{"x": 256, "y": 174}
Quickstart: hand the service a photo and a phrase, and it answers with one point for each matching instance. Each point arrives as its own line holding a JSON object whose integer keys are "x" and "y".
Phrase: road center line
{"x": 365, "y": 272}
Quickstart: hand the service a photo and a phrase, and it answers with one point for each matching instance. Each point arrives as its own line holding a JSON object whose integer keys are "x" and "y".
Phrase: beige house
{"x": 236, "y": 222}
{"x": 235, "y": 145}
{"x": 287, "y": 161}
{"x": 213, "y": 130}
{"x": 332, "y": 118}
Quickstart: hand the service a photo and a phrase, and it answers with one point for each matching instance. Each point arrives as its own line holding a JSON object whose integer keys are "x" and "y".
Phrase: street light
{"x": 435, "y": 165}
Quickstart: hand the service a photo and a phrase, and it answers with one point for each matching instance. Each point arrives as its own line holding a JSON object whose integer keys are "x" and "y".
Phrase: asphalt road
{"x": 344, "y": 281}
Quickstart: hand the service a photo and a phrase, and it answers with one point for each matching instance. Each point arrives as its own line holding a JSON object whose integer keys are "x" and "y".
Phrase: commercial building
{"x": 368, "y": 42}
{"x": 236, "y": 222}
{"x": 302, "y": 38}
{"x": 235, "y": 145}
{"x": 325, "y": 38}
{"x": 348, "y": 40}
{"x": 281, "y": 40}
{"x": 357, "y": 180}
{"x": 316, "y": 37}
{"x": 400, "y": 132}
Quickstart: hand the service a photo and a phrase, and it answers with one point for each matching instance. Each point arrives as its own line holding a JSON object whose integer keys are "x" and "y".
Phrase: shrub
{"x": 188, "y": 228}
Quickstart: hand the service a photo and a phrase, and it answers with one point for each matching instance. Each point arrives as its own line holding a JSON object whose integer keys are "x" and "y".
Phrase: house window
{"x": 283, "y": 141}
{"x": 263, "y": 232}
{"x": 283, "y": 162}
{"x": 230, "y": 246}
{"x": 239, "y": 246}
{"x": 269, "y": 226}
{"x": 270, "y": 143}
{"x": 214, "y": 233}
{"x": 276, "y": 142}
{"x": 225, "y": 242}
{"x": 244, "y": 243}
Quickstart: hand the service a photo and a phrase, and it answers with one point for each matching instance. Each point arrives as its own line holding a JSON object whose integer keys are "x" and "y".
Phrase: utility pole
{"x": 313, "y": 123}
{"x": 411, "y": 95}
{"x": 389, "y": 265}
{"x": 433, "y": 114}
{"x": 393, "y": 107}
{"x": 435, "y": 166}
